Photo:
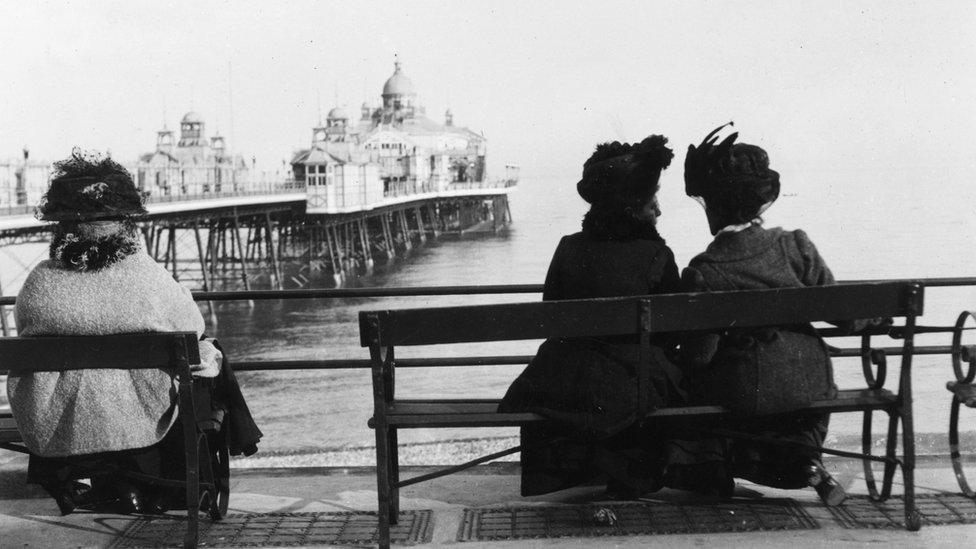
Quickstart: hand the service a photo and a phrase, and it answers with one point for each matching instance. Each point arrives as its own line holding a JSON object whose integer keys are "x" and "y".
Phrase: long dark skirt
{"x": 764, "y": 377}
{"x": 588, "y": 387}
{"x": 555, "y": 458}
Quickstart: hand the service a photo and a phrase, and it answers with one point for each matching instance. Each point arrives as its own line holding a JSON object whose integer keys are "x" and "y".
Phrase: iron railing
{"x": 499, "y": 289}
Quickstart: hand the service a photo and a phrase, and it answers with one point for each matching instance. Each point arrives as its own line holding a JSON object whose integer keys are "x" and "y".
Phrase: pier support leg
{"x": 157, "y": 236}
{"x": 420, "y": 225}
{"x": 404, "y": 229}
{"x": 312, "y": 238}
{"x": 434, "y": 220}
{"x": 331, "y": 249}
{"x": 171, "y": 251}
{"x": 147, "y": 232}
{"x": 388, "y": 236}
{"x": 203, "y": 270}
{"x": 336, "y": 255}
{"x": 212, "y": 242}
{"x": 276, "y": 269}
{"x": 364, "y": 242}
{"x": 350, "y": 242}
{"x": 236, "y": 236}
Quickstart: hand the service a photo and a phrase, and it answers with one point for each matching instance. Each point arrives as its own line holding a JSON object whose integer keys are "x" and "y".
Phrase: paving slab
{"x": 28, "y": 518}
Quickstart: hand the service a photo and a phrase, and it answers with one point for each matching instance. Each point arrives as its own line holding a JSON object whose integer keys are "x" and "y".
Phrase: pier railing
{"x": 228, "y": 190}
{"x": 232, "y": 191}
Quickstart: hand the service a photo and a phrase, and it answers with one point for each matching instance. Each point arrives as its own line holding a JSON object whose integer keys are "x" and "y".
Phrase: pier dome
{"x": 192, "y": 117}
{"x": 192, "y": 130}
{"x": 338, "y": 113}
{"x": 398, "y": 84}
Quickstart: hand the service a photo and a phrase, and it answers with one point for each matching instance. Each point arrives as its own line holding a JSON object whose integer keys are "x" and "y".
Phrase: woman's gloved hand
{"x": 210, "y": 360}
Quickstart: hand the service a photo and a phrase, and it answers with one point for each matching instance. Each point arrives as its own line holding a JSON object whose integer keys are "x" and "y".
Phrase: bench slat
{"x": 123, "y": 351}
{"x": 420, "y": 413}
{"x": 492, "y": 419}
{"x": 617, "y": 316}
{"x": 8, "y": 429}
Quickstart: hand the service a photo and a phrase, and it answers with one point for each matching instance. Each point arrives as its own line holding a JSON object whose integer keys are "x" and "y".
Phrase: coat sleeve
{"x": 696, "y": 348}
{"x": 181, "y": 311}
{"x": 669, "y": 282}
{"x": 553, "y": 288}
{"x": 813, "y": 270}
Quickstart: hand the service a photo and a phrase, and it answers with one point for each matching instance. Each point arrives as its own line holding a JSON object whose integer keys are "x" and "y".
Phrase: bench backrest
{"x": 166, "y": 350}
{"x": 636, "y": 315}
{"x": 123, "y": 351}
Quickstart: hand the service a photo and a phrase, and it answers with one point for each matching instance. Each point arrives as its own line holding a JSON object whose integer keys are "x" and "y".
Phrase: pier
{"x": 214, "y": 239}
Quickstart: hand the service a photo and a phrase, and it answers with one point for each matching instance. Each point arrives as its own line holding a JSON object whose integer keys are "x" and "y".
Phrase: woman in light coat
{"x": 99, "y": 280}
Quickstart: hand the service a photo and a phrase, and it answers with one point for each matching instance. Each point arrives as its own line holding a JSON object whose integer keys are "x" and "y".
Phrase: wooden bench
{"x": 383, "y": 331}
{"x": 173, "y": 352}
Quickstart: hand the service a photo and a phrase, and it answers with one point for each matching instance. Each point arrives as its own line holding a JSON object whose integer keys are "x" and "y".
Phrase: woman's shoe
{"x": 827, "y": 487}
{"x": 129, "y": 498}
{"x": 160, "y": 500}
{"x": 66, "y": 504}
{"x": 70, "y": 496}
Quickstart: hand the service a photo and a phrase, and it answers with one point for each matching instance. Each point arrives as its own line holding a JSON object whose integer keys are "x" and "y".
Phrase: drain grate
{"x": 862, "y": 512}
{"x": 645, "y": 518}
{"x": 278, "y": 529}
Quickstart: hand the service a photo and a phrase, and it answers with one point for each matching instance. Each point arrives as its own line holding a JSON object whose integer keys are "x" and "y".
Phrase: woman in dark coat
{"x": 768, "y": 372}
{"x": 589, "y": 385}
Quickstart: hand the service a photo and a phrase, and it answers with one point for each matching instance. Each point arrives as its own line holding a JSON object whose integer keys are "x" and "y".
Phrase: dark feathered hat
{"x": 88, "y": 187}
{"x": 733, "y": 173}
{"x": 624, "y": 169}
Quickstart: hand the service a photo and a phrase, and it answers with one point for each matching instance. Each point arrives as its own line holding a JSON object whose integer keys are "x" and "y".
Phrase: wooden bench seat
{"x": 8, "y": 429}
{"x": 421, "y": 413}
{"x": 382, "y": 331}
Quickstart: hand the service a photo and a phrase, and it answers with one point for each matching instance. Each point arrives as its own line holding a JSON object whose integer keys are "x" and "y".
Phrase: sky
{"x": 865, "y": 86}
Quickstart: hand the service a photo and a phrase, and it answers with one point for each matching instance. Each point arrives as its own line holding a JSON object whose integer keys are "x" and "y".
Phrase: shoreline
{"x": 929, "y": 446}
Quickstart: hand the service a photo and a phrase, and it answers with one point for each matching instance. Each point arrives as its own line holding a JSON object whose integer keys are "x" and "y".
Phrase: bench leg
{"x": 913, "y": 519}
{"x": 191, "y": 451}
{"x": 890, "y": 453}
{"x": 383, "y": 484}
{"x": 954, "y": 453}
{"x": 891, "y": 444}
{"x": 394, "y": 468}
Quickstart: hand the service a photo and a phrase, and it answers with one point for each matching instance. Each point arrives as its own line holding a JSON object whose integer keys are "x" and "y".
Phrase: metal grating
{"x": 278, "y": 529}
{"x": 644, "y": 518}
{"x": 862, "y": 512}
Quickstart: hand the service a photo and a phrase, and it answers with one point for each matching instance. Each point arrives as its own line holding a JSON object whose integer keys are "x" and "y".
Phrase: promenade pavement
{"x": 30, "y": 519}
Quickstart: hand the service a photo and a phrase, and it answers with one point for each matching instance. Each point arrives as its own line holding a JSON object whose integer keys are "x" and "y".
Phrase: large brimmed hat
{"x": 735, "y": 174}
{"x": 86, "y": 187}
{"x": 624, "y": 170}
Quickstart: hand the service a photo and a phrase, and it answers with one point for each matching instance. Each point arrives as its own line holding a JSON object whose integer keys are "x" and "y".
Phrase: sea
{"x": 913, "y": 222}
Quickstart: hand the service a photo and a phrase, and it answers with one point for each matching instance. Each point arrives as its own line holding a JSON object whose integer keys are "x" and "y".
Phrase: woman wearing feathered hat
{"x": 99, "y": 280}
{"x": 767, "y": 372}
{"x": 588, "y": 385}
